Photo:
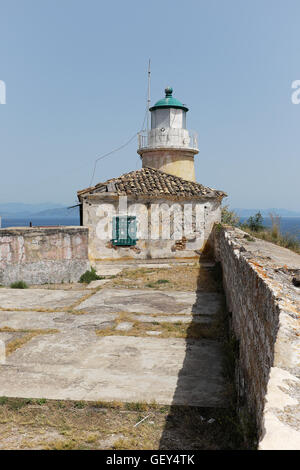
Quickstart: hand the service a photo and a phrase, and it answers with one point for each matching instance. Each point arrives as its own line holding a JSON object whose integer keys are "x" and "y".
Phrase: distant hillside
{"x": 266, "y": 212}
{"x": 23, "y": 208}
{"x": 47, "y": 209}
{"x": 58, "y": 212}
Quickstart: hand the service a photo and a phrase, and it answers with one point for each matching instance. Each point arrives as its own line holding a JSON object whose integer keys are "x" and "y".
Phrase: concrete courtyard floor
{"x": 136, "y": 339}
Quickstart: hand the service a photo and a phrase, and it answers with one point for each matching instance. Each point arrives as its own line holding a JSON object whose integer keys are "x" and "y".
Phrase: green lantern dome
{"x": 169, "y": 102}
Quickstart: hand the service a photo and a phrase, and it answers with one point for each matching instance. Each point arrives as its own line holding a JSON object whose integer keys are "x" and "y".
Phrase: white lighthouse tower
{"x": 169, "y": 146}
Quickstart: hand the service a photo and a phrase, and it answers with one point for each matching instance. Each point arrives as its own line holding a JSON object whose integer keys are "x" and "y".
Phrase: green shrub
{"x": 255, "y": 223}
{"x": 17, "y": 403}
{"x": 41, "y": 401}
{"x": 229, "y": 217}
{"x": 79, "y": 404}
{"x": 89, "y": 276}
{"x": 19, "y": 285}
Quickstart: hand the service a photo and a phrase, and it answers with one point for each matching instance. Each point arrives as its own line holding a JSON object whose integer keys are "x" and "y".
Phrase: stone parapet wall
{"x": 264, "y": 309}
{"x": 41, "y": 255}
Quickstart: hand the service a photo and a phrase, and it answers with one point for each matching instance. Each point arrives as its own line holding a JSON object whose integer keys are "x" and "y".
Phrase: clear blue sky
{"x": 76, "y": 76}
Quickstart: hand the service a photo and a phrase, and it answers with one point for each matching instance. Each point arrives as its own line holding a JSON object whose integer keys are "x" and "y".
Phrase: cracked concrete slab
{"x": 153, "y": 302}
{"x": 38, "y": 298}
{"x": 75, "y": 363}
{"x": 82, "y": 366}
{"x": 53, "y": 320}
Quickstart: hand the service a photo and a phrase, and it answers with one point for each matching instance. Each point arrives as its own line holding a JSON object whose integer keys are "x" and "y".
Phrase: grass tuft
{"x": 19, "y": 285}
{"x": 90, "y": 276}
{"x": 40, "y": 401}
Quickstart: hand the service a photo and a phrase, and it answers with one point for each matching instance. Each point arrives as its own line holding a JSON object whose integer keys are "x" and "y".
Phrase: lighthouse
{"x": 159, "y": 210}
{"x": 168, "y": 146}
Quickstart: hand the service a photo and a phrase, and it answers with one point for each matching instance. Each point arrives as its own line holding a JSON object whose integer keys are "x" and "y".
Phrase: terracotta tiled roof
{"x": 153, "y": 183}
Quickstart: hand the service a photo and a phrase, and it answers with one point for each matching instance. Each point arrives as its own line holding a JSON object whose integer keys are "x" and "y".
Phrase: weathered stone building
{"x": 159, "y": 211}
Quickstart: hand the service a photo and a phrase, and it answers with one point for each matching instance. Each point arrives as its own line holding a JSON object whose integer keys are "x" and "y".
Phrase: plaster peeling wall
{"x": 43, "y": 255}
{"x": 97, "y": 216}
{"x": 265, "y": 318}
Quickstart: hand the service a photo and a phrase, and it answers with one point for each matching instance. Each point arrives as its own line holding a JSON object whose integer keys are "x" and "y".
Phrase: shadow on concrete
{"x": 202, "y": 415}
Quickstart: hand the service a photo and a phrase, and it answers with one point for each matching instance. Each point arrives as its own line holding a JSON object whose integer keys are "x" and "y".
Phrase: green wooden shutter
{"x": 124, "y": 230}
{"x": 131, "y": 221}
{"x": 114, "y": 230}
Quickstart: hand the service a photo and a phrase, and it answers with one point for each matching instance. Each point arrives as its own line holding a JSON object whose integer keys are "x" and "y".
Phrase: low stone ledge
{"x": 40, "y": 255}
{"x": 44, "y": 272}
{"x": 42, "y": 230}
{"x": 265, "y": 307}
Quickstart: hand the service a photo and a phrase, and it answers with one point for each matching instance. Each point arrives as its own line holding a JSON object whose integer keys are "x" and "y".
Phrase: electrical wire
{"x": 118, "y": 148}
{"x": 74, "y": 169}
{"x": 110, "y": 153}
{"x": 124, "y": 145}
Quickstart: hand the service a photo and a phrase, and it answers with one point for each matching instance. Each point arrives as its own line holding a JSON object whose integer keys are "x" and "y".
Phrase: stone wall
{"x": 264, "y": 309}
{"x": 43, "y": 255}
{"x": 153, "y": 217}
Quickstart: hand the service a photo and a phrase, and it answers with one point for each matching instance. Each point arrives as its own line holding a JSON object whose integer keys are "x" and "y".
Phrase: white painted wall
{"x": 154, "y": 240}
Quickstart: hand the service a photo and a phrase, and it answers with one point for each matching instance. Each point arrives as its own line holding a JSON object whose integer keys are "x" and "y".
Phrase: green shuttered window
{"x": 124, "y": 230}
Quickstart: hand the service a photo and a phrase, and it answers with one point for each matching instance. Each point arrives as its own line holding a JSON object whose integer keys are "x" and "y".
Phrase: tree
{"x": 255, "y": 222}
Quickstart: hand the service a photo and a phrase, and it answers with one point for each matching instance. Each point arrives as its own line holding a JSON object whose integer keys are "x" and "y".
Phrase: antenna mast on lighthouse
{"x": 149, "y": 99}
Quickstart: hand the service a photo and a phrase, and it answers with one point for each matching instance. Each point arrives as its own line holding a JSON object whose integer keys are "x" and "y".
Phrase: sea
{"x": 289, "y": 225}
